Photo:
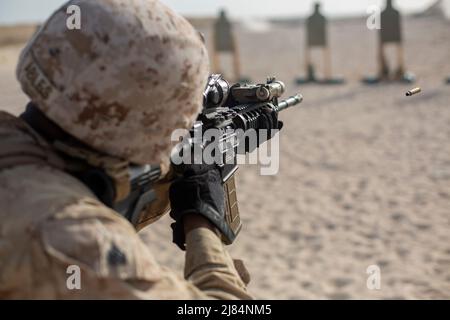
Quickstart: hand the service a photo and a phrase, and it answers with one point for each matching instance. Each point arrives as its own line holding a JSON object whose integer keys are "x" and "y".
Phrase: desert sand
{"x": 364, "y": 176}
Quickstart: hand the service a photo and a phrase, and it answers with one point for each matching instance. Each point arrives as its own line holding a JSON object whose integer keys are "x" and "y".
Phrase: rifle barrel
{"x": 289, "y": 102}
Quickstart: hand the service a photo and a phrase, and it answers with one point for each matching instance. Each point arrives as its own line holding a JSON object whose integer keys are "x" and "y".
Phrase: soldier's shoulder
{"x": 54, "y": 229}
{"x": 32, "y": 187}
{"x": 33, "y": 193}
{"x": 8, "y": 119}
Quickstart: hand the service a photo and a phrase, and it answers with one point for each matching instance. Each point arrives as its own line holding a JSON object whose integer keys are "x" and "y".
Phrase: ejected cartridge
{"x": 413, "y": 92}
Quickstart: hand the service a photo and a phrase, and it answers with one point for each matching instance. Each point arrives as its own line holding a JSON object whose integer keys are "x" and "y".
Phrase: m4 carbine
{"x": 229, "y": 110}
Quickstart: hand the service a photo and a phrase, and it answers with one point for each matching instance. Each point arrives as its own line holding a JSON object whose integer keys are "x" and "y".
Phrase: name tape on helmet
{"x": 37, "y": 79}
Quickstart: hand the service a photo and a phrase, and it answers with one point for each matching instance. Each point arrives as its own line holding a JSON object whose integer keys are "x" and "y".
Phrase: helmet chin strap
{"x": 79, "y": 157}
{"x": 46, "y": 127}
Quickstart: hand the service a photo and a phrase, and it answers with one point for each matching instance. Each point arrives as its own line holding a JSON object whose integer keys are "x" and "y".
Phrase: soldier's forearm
{"x": 193, "y": 221}
{"x": 208, "y": 265}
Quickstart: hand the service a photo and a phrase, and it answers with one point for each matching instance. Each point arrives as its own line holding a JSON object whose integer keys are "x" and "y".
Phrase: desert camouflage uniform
{"x": 50, "y": 221}
{"x": 132, "y": 74}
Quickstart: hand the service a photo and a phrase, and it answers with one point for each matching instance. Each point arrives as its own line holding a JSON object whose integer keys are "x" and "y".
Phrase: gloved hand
{"x": 198, "y": 191}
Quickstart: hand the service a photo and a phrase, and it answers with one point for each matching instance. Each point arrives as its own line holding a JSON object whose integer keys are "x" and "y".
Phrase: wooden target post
{"x": 390, "y": 33}
{"x": 316, "y": 28}
{"x": 317, "y": 37}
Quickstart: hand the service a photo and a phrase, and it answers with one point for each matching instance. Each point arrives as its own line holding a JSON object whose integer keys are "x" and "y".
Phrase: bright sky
{"x": 18, "y": 11}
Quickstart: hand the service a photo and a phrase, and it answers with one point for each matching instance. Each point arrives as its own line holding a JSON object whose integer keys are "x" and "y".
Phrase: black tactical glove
{"x": 198, "y": 191}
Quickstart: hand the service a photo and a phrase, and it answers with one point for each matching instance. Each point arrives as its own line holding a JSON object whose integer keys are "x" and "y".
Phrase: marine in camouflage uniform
{"x": 115, "y": 89}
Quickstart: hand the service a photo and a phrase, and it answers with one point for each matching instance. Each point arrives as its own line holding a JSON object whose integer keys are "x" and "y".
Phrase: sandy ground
{"x": 364, "y": 176}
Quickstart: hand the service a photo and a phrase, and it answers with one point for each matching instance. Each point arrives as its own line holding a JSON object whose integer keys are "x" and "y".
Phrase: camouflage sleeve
{"x": 116, "y": 264}
{"x": 210, "y": 268}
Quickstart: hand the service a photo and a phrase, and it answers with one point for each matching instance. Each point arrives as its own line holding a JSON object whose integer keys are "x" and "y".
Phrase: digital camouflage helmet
{"x": 131, "y": 74}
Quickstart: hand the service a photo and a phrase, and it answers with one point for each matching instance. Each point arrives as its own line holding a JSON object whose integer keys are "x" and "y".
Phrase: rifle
{"x": 228, "y": 110}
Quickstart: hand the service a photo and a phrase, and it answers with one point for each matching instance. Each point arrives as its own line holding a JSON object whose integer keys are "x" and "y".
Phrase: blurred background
{"x": 364, "y": 171}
